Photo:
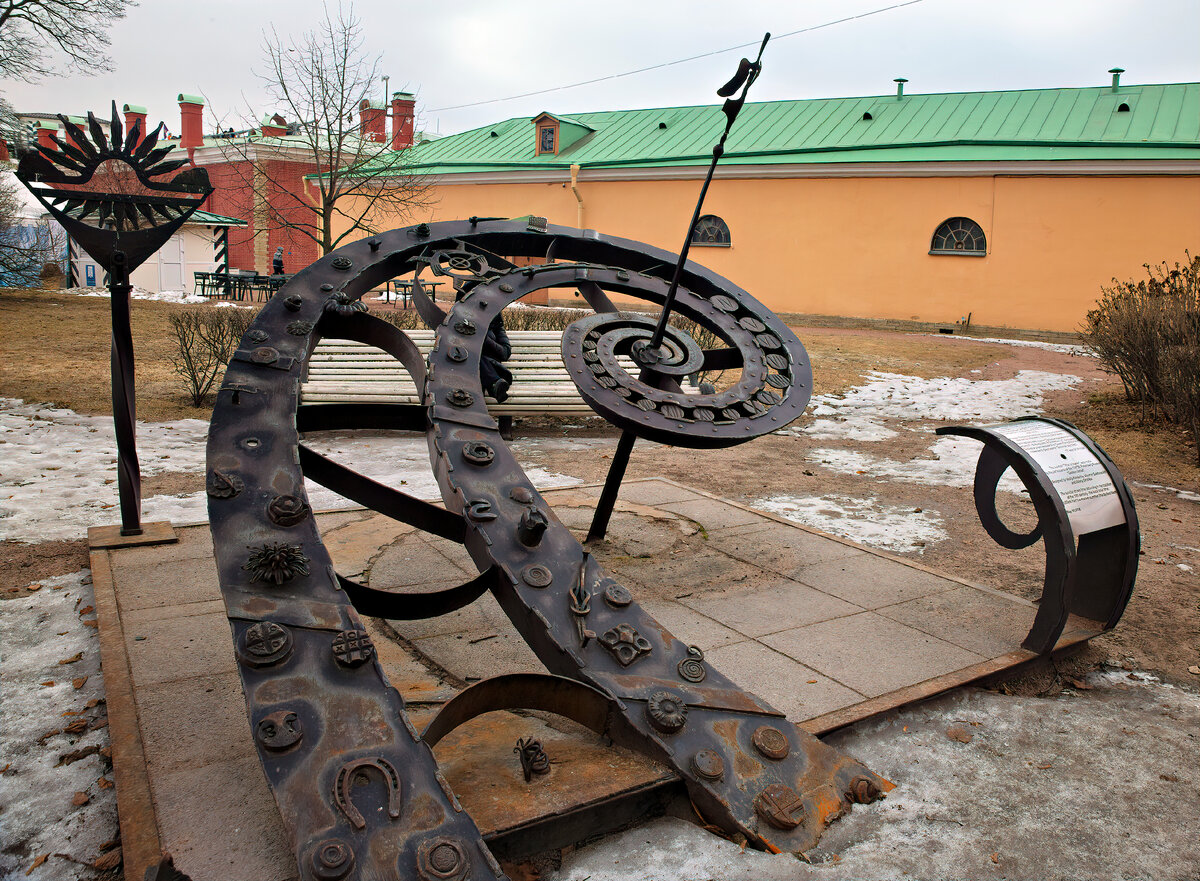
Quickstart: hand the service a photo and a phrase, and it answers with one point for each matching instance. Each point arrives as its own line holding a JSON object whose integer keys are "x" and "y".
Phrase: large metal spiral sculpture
{"x": 322, "y": 710}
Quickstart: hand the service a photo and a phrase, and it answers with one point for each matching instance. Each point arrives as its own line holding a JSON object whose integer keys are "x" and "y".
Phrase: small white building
{"x": 200, "y": 245}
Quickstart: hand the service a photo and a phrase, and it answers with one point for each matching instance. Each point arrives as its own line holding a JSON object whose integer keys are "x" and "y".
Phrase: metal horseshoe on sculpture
{"x": 109, "y": 193}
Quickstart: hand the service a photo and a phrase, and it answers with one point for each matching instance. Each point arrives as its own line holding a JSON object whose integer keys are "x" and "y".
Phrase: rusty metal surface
{"x": 292, "y": 615}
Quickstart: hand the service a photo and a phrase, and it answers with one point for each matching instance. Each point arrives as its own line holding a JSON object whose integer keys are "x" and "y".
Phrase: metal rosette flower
{"x": 772, "y": 390}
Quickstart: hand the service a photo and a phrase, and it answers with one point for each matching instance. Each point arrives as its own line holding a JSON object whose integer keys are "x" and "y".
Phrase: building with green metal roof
{"x": 865, "y": 206}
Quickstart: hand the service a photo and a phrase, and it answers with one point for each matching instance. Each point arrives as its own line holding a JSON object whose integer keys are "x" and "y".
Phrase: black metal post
{"x": 612, "y": 483}
{"x": 129, "y": 476}
{"x": 747, "y": 73}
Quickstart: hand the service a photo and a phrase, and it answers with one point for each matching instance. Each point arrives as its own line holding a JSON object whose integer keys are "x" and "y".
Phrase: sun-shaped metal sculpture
{"x": 102, "y": 188}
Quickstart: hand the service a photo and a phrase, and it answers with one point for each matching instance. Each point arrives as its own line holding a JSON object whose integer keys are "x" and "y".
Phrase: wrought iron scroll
{"x": 1090, "y": 567}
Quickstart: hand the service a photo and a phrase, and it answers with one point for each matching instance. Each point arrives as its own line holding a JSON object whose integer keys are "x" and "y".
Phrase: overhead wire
{"x": 616, "y": 76}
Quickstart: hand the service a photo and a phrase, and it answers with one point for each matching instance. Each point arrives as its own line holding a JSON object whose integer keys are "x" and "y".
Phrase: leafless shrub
{"x": 206, "y": 338}
{"x": 1148, "y": 334}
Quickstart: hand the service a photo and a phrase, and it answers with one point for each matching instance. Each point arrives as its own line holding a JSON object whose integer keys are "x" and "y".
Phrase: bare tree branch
{"x": 318, "y": 82}
{"x": 33, "y": 32}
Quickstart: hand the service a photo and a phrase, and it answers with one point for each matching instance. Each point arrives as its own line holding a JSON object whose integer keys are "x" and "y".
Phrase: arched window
{"x": 960, "y": 236}
{"x": 711, "y": 231}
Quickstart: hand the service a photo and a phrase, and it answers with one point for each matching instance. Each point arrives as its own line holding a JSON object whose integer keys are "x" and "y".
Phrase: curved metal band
{"x": 395, "y": 504}
{"x": 1059, "y": 585}
{"x": 377, "y": 603}
{"x": 570, "y": 698}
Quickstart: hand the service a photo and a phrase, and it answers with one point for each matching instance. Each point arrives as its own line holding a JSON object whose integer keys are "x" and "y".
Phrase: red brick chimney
{"x": 374, "y": 119}
{"x": 191, "y": 122}
{"x": 274, "y": 126}
{"x": 135, "y": 114}
{"x": 4, "y": 155}
{"x": 45, "y": 130}
{"x": 402, "y": 120}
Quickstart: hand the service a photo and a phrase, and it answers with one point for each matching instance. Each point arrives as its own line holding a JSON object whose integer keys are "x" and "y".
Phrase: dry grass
{"x": 842, "y": 358}
{"x": 55, "y": 348}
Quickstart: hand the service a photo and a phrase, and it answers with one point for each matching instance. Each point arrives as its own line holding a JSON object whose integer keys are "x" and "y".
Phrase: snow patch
{"x": 1183, "y": 494}
{"x": 60, "y": 469}
{"x": 944, "y": 398}
{"x": 158, "y": 296}
{"x": 1065, "y": 348}
{"x": 37, "y": 631}
{"x": 865, "y": 521}
{"x": 859, "y": 414}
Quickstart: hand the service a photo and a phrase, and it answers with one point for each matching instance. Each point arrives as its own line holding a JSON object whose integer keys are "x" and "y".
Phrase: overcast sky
{"x": 475, "y": 51}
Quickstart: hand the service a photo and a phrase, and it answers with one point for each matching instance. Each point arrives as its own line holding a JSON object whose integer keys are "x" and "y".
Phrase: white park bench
{"x": 344, "y": 372}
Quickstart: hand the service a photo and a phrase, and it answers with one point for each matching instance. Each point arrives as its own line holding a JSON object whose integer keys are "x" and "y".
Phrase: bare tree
{"x": 33, "y": 32}
{"x": 318, "y": 82}
{"x": 29, "y": 248}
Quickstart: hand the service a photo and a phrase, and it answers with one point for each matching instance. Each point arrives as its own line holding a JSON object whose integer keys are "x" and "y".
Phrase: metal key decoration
{"x": 108, "y": 192}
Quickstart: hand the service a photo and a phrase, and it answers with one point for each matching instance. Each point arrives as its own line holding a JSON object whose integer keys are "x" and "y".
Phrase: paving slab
{"x": 827, "y": 631}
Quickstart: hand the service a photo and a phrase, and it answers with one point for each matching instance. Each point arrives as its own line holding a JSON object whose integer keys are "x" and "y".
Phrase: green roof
{"x": 1162, "y": 122}
{"x": 207, "y": 217}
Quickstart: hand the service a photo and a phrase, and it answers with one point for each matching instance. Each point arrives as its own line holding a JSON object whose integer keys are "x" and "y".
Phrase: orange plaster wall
{"x": 859, "y": 246}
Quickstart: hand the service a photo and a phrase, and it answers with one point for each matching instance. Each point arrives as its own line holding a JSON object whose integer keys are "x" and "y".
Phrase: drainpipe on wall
{"x": 578, "y": 197}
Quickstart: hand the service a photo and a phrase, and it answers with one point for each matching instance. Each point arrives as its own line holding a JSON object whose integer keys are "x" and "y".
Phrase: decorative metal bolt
{"x": 521, "y": 494}
{"x": 506, "y": 287}
{"x": 332, "y": 859}
{"x": 457, "y": 354}
{"x": 223, "y": 486}
{"x": 442, "y": 859}
{"x": 533, "y": 758}
{"x": 666, "y": 711}
{"x": 264, "y": 643}
{"x": 478, "y": 452}
{"x": 342, "y": 304}
{"x": 771, "y": 742}
{"x": 374, "y": 244}
{"x": 279, "y": 730}
{"x": 257, "y": 336}
{"x": 460, "y": 397}
{"x": 465, "y": 326}
{"x": 780, "y": 806}
{"x": 300, "y": 328}
{"x": 625, "y": 643}
{"x": 264, "y": 355}
{"x": 288, "y": 510}
{"x": 327, "y": 287}
{"x": 293, "y": 303}
{"x": 422, "y": 230}
{"x": 276, "y": 562}
{"x": 532, "y": 527}
{"x": 537, "y": 575}
{"x": 864, "y": 790}
{"x": 692, "y": 667}
{"x": 708, "y": 764}
{"x": 617, "y": 595}
{"x": 353, "y": 648}
{"x": 341, "y": 263}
